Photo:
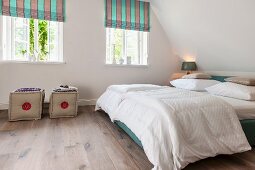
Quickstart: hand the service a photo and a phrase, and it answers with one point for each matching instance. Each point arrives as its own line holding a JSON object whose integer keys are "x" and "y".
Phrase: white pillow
{"x": 233, "y": 90}
{"x": 193, "y": 84}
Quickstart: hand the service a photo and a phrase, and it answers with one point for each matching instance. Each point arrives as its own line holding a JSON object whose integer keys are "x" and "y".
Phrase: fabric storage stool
{"x": 26, "y": 104}
{"x": 63, "y": 104}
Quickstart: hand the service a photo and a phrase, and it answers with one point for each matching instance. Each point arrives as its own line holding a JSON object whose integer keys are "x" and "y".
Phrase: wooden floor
{"x": 89, "y": 141}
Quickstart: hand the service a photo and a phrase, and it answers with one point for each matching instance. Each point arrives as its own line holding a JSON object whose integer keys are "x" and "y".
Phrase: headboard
{"x": 221, "y": 75}
{"x": 220, "y": 78}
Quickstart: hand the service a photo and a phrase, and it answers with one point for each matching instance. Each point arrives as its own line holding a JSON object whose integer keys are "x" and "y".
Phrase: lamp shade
{"x": 189, "y": 66}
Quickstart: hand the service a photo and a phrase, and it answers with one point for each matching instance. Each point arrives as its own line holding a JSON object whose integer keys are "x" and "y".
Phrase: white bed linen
{"x": 244, "y": 109}
{"x": 177, "y": 127}
{"x": 111, "y": 98}
{"x": 133, "y": 87}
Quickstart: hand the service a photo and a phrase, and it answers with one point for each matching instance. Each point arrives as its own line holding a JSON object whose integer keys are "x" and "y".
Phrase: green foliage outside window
{"x": 42, "y": 39}
{"x": 118, "y": 44}
{"x": 31, "y": 36}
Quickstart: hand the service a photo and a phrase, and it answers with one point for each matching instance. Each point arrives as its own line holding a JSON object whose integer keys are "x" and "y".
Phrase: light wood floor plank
{"x": 88, "y": 142}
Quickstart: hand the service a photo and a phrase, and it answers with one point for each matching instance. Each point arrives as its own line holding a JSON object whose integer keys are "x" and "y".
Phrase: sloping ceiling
{"x": 219, "y": 34}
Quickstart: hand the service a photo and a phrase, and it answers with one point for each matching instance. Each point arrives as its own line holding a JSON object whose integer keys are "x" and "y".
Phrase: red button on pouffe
{"x": 26, "y": 106}
{"x": 64, "y": 105}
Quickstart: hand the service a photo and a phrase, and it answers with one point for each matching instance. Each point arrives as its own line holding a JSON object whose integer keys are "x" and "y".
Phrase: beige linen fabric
{"x": 17, "y": 99}
{"x": 242, "y": 80}
{"x": 55, "y": 109}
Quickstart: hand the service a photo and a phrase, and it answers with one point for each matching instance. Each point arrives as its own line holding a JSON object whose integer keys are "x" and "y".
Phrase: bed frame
{"x": 248, "y": 125}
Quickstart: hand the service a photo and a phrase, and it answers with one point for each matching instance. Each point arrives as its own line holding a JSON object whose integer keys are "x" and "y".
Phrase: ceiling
{"x": 219, "y": 35}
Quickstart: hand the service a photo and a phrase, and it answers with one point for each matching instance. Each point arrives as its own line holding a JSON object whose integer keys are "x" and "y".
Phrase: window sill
{"x": 127, "y": 65}
{"x": 36, "y": 62}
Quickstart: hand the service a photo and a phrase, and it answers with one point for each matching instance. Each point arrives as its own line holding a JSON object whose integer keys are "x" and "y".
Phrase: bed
{"x": 115, "y": 98}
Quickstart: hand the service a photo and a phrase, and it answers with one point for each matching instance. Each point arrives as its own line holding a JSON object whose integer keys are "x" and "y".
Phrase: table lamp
{"x": 189, "y": 67}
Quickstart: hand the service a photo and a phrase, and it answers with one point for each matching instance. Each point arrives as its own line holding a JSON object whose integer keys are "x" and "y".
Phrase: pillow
{"x": 242, "y": 80}
{"x": 193, "y": 84}
{"x": 233, "y": 90}
{"x": 197, "y": 76}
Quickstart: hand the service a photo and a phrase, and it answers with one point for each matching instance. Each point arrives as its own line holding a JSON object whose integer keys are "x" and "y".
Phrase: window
{"x": 32, "y": 40}
{"x": 126, "y": 47}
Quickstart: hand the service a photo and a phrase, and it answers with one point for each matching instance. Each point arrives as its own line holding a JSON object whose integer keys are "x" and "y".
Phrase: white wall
{"x": 220, "y": 33}
{"x": 84, "y": 52}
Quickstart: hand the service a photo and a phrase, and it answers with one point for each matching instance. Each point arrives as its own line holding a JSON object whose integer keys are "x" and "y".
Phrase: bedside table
{"x": 177, "y": 76}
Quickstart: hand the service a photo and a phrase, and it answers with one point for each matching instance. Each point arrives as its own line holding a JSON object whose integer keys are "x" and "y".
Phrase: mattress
{"x": 244, "y": 109}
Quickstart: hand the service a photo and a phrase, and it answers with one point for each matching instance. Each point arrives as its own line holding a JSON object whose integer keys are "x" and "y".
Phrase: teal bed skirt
{"x": 249, "y": 130}
{"x": 247, "y": 125}
{"x": 129, "y": 132}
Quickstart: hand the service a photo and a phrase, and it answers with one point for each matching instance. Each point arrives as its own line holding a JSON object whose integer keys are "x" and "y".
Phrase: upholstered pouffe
{"x": 63, "y": 104}
{"x": 26, "y": 104}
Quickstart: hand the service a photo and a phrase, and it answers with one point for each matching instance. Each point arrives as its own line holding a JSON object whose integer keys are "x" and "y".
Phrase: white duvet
{"x": 112, "y": 97}
{"x": 178, "y": 127}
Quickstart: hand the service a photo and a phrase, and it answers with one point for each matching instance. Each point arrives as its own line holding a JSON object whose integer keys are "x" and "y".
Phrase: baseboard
{"x": 81, "y": 102}
{"x": 84, "y": 102}
{"x": 4, "y": 106}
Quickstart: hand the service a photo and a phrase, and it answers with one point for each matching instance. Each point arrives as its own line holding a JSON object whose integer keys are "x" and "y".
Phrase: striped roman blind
{"x": 127, "y": 14}
{"x": 53, "y": 10}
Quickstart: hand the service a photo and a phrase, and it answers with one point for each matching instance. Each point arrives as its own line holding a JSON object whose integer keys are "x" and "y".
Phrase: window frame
{"x": 1, "y": 40}
{"x": 7, "y": 56}
{"x": 140, "y": 47}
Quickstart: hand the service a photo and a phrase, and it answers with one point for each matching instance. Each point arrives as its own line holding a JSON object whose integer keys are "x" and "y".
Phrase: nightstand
{"x": 177, "y": 76}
